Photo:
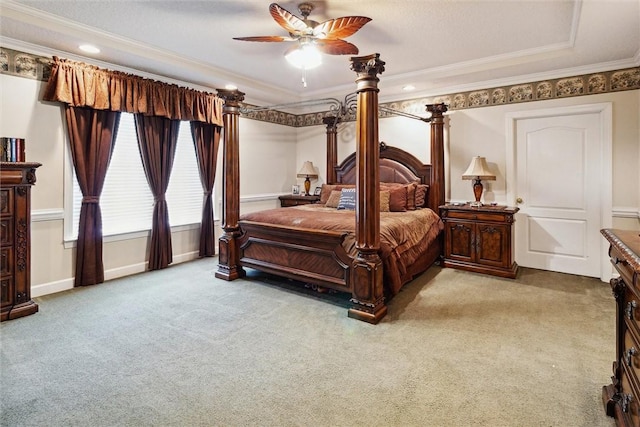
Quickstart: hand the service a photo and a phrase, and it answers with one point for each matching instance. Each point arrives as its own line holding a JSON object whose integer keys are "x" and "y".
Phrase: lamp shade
{"x": 478, "y": 169}
{"x": 307, "y": 170}
{"x": 304, "y": 57}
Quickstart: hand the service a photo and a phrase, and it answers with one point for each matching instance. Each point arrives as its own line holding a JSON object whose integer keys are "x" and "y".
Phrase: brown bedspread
{"x": 404, "y": 236}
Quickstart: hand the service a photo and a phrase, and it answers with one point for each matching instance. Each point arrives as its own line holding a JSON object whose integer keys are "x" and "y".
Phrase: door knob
{"x": 519, "y": 200}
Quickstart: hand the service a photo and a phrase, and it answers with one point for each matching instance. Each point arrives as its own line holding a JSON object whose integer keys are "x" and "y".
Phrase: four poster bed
{"x": 391, "y": 234}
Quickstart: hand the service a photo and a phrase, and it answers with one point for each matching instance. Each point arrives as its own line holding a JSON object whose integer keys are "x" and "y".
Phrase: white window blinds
{"x": 126, "y": 201}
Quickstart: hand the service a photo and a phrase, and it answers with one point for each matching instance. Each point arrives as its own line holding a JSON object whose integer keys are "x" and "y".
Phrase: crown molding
{"x": 217, "y": 77}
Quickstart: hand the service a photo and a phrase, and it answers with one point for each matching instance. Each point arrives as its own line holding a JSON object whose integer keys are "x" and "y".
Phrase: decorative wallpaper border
{"x": 39, "y": 68}
{"x": 25, "y": 64}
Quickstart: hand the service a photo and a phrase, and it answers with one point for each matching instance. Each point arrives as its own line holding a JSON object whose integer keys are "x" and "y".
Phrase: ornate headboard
{"x": 396, "y": 165}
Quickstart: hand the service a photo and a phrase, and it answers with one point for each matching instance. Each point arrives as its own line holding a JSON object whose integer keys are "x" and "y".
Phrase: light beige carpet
{"x": 180, "y": 348}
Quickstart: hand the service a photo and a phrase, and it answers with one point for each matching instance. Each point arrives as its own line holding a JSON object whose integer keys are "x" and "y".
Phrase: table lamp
{"x": 307, "y": 171}
{"x": 477, "y": 171}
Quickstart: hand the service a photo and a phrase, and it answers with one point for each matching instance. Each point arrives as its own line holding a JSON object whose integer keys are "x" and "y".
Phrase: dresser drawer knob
{"x": 629, "y": 354}
{"x": 626, "y": 400}
{"x": 631, "y": 306}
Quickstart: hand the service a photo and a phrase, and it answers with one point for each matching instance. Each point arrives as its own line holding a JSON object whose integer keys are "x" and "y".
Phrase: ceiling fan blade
{"x": 287, "y": 20}
{"x": 340, "y": 27}
{"x": 336, "y": 47}
{"x": 265, "y": 39}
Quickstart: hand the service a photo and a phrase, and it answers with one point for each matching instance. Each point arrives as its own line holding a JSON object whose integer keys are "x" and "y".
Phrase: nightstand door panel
{"x": 459, "y": 244}
{"x": 492, "y": 245}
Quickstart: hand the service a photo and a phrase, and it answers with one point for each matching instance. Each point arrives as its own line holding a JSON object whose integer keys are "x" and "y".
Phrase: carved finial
{"x": 370, "y": 65}
{"x": 331, "y": 121}
{"x": 437, "y": 109}
{"x": 231, "y": 97}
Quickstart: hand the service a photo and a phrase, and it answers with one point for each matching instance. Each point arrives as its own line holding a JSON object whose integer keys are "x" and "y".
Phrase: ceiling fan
{"x": 326, "y": 36}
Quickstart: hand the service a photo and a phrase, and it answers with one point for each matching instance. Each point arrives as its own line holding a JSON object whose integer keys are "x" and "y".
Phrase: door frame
{"x": 605, "y": 112}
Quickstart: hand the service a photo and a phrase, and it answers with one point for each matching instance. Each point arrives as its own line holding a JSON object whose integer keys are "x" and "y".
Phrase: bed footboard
{"x": 313, "y": 256}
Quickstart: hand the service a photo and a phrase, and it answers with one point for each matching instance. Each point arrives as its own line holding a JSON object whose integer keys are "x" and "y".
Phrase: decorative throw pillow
{"x": 347, "y": 199}
{"x": 421, "y": 195}
{"x": 326, "y": 192}
{"x": 328, "y": 188}
{"x": 398, "y": 199}
{"x": 384, "y": 201}
{"x": 333, "y": 200}
{"x": 411, "y": 196}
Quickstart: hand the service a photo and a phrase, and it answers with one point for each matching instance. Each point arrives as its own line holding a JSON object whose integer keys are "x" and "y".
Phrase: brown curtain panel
{"x": 82, "y": 85}
{"x": 206, "y": 139}
{"x": 92, "y": 134}
{"x": 157, "y": 140}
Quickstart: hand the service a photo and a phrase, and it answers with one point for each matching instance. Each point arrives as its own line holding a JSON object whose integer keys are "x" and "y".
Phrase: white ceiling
{"x": 438, "y": 46}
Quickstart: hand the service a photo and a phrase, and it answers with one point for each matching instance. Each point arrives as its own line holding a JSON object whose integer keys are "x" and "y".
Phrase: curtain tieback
{"x": 91, "y": 199}
{"x": 159, "y": 198}
{"x": 208, "y": 193}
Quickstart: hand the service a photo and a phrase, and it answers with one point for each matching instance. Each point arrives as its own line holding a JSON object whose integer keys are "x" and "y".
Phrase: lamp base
{"x": 307, "y": 186}
{"x": 477, "y": 192}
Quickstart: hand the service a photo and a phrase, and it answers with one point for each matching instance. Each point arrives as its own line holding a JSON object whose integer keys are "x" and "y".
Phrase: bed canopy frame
{"x": 365, "y": 279}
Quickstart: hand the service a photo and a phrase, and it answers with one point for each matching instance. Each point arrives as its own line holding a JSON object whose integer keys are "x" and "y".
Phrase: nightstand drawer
{"x": 478, "y": 216}
{"x": 294, "y": 200}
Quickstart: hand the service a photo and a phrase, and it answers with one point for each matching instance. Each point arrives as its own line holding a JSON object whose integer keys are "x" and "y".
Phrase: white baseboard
{"x": 51, "y": 287}
{"x": 113, "y": 273}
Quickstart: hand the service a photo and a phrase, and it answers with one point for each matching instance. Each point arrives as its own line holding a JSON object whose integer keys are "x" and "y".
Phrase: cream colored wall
{"x": 408, "y": 134}
{"x": 263, "y": 147}
{"x": 482, "y": 131}
{"x": 267, "y": 164}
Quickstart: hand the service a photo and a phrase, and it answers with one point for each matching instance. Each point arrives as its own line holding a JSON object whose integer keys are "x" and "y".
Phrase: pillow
{"x": 398, "y": 199}
{"x": 328, "y": 188}
{"x": 411, "y": 196}
{"x": 421, "y": 195}
{"x": 333, "y": 200}
{"x": 347, "y": 199}
{"x": 326, "y": 192}
{"x": 384, "y": 201}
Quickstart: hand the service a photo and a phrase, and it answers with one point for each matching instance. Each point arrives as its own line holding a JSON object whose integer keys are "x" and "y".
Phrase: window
{"x": 126, "y": 201}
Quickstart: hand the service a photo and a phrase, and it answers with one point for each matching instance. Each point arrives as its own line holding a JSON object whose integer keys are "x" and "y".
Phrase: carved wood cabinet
{"x": 621, "y": 397}
{"x": 479, "y": 239}
{"x": 16, "y": 180}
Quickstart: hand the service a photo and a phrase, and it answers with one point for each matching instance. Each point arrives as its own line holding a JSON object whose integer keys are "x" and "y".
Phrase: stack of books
{"x": 12, "y": 149}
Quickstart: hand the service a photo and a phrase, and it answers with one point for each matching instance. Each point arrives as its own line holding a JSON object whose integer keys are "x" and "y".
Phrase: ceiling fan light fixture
{"x": 304, "y": 57}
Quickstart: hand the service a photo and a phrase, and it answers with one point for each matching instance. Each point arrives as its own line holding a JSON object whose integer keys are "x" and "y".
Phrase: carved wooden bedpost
{"x": 332, "y": 147}
{"x": 368, "y": 295}
{"x": 229, "y": 256}
{"x": 437, "y": 155}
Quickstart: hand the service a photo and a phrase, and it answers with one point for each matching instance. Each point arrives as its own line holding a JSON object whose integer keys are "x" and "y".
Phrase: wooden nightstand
{"x": 479, "y": 239}
{"x": 295, "y": 200}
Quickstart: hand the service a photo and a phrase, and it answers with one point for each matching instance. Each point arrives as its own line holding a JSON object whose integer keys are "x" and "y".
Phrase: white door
{"x": 560, "y": 191}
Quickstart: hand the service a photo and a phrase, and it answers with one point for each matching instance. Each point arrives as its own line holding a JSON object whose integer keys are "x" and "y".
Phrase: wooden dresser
{"x": 479, "y": 239}
{"x": 16, "y": 180}
{"x": 621, "y": 397}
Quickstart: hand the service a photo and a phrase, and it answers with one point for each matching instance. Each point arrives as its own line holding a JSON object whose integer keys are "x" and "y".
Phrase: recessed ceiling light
{"x": 89, "y": 48}
{"x": 407, "y": 88}
{"x": 230, "y": 87}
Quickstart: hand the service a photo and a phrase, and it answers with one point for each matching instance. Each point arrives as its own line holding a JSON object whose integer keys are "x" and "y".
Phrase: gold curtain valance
{"x": 83, "y": 85}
